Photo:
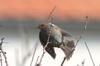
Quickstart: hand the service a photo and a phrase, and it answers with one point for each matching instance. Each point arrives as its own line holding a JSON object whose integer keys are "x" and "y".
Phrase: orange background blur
{"x": 41, "y": 8}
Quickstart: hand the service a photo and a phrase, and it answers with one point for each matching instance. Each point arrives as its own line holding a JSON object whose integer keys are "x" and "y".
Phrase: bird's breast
{"x": 56, "y": 35}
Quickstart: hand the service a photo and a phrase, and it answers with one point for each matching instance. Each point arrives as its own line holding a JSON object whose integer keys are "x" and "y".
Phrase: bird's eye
{"x": 42, "y": 25}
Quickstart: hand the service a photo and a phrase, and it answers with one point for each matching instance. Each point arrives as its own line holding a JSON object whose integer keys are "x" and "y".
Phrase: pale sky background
{"x": 19, "y": 19}
{"x": 22, "y": 35}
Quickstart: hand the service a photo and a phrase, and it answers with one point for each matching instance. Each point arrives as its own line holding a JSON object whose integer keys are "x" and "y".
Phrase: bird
{"x": 56, "y": 37}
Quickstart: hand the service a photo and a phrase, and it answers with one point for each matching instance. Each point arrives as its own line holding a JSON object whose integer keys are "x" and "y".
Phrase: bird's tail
{"x": 68, "y": 48}
{"x": 51, "y": 51}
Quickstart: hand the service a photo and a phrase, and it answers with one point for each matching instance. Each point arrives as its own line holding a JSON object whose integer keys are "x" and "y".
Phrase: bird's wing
{"x": 51, "y": 51}
{"x": 68, "y": 48}
{"x": 65, "y": 33}
{"x": 69, "y": 43}
{"x": 67, "y": 51}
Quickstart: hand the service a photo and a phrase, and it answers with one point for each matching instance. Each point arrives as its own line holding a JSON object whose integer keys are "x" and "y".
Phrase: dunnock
{"x": 56, "y": 37}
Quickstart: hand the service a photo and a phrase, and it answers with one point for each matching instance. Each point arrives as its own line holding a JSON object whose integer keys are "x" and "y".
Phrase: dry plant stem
{"x": 85, "y": 27}
{"x": 51, "y": 14}
{"x": 2, "y": 52}
{"x": 47, "y": 39}
{"x": 66, "y": 57}
{"x": 42, "y": 57}
{"x": 0, "y": 59}
{"x": 33, "y": 54}
{"x": 73, "y": 49}
{"x": 90, "y": 54}
{"x": 37, "y": 60}
{"x": 44, "y": 49}
{"x": 25, "y": 59}
{"x": 63, "y": 61}
{"x": 48, "y": 36}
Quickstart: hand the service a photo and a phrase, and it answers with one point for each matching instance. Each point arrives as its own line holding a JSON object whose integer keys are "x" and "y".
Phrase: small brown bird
{"x": 56, "y": 37}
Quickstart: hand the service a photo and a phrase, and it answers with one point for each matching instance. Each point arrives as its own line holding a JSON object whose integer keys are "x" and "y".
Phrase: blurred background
{"x": 19, "y": 19}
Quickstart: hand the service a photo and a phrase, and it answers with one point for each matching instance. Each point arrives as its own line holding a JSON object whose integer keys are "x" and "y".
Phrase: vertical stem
{"x": 37, "y": 60}
{"x": 80, "y": 37}
{"x": 44, "y": 49}
{"x": 63, "y": 61}
{"x": 33, "y": 54}
{"x": 45, "y": 46}
{"x": 0, "y": 59}
{"x": 4, "y": 54}
{"x": 51, "y": 14}
{"x": 90, "y": 54}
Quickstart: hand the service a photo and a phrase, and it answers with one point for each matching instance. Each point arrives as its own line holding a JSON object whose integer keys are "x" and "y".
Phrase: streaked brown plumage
{"x": 68, "y": 48}
{"x": 56, "y": 37}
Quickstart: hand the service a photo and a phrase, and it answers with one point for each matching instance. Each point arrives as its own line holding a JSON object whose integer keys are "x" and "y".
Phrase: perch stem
{"x": 90, "y": 54}
{"x": 85, "y": 27}
{"x": 33, "y": 54}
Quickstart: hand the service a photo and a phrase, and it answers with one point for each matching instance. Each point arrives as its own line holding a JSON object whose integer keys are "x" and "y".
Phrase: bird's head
{"x": 43, "y": 26}
{"x": 46, "y": 26}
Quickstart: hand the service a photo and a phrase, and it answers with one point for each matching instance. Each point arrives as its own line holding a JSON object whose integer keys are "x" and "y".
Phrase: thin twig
{"x": 44, "y": 49}
{"x": 66, "y": 57}
{"x": 4, "y": 53}
{"x": 90, "y": 54}
{"x": 48, "y": 36}
{"x": 51, "y": 13}
{"x": 45, "y": 46}
{"x": 37, "y": 60}
{"x": 34, "y": 54}
{"x": 85, "y": 27}
{"x": 42, "y": 57}
{"x": 0, "y": 59}
{"x": 63, "y": 61}
{"x": 25, "y": 58}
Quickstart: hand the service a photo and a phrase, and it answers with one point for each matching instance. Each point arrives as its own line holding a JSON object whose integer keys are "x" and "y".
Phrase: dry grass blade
{"x": 0, "y": 59}
{"x": 34, "y": 53}
{"x": 90, "y": 54}
{"x": 51, "y": 13}
{"x": 37, "y": 60}
{"x": 85, "y": 27}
